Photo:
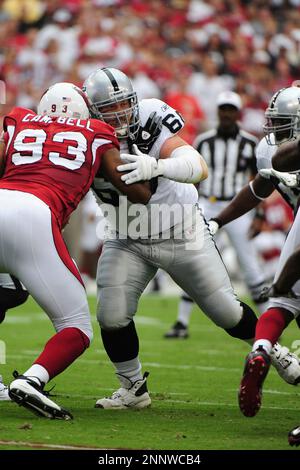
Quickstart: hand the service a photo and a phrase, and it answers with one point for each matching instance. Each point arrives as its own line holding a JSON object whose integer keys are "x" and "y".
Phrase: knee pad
{"x": 116, "y": 308}
{"x": 245, "y": 329}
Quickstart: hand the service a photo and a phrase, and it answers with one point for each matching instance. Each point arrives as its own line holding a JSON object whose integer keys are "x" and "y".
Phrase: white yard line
{"x": 139, "y": 320}
{"x": 158, "y": 365}
{"x": 47, "y": 446}
{"x": 273, "y": 392}
{"x": 217, "y": 403}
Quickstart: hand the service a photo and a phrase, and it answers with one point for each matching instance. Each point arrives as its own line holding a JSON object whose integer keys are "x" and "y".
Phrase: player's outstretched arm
{"x": 287, "y": 157}
{"x": 178, "y": 161}
{"x": 248, "y": 198}
{"x": 137, "y": 193}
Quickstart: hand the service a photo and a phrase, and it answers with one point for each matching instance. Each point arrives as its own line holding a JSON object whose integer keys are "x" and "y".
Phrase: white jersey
{"x": 264, "y": 154}
{"x": 154, "y": 218}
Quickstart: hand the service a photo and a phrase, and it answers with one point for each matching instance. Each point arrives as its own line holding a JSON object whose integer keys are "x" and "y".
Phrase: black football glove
{"x": 149, "y": 132}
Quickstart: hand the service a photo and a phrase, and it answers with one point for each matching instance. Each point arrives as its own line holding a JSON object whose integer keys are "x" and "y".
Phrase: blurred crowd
{"x": 183, "y": 51}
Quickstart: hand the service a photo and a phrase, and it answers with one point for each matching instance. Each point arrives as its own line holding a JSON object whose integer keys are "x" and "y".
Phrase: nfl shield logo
{"x": 145, "y": 135}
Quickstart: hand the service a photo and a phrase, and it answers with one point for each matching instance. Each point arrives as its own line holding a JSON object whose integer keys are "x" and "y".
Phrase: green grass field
{"x": 193, "y": 384}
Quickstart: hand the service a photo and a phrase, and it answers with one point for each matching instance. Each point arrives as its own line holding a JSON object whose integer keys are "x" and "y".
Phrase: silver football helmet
{"x": 283, "y": 116}
{"x": 113, "y": 100}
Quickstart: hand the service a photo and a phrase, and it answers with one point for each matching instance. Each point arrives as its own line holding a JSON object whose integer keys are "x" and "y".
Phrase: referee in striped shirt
{"x": 230, "y": 156}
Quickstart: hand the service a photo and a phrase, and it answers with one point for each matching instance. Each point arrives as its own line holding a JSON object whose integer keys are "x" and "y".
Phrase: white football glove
{"x": 213, "y": 227}
{"x": 288, "y": 179}
{"x": 140, "y": 166}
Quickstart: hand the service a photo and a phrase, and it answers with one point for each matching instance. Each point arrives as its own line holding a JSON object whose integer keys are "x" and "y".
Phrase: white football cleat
{"x": 131, "y": 395}
{"x": 25, "y": 391}
{"x": 286, "y": 363}
{"x": 3, "y": 391}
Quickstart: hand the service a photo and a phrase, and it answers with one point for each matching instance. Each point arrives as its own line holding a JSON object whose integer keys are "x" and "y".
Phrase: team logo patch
{"x": 145, "y": 135}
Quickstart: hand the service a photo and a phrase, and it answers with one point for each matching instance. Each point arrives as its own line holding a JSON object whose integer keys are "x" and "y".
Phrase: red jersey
{"x": 56, "y": 159}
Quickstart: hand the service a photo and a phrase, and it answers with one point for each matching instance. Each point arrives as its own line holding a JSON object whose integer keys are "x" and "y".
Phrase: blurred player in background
{"x": 91, "y": 240}
{"x": 285, "y": 291}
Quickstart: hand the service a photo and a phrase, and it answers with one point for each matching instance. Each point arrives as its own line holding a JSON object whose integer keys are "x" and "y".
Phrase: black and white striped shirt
{"x": 231, "y": 161}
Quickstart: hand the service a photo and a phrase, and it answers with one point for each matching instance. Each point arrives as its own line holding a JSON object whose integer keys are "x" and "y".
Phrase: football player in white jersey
{"x": 283, "y": 125}
{"x": 285, "y": 291}
{"x": 130, "y": 260}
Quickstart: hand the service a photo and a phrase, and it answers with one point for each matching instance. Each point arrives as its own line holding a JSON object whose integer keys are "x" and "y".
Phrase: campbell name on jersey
{"x": 55, "y": 159}
{"x": 180, "y": 197}
{"x": 264, "y": 154}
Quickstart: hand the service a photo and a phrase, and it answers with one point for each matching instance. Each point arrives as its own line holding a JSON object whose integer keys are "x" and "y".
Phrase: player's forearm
{"x": 287, "y": 157}
{"x": 243, "y": 202}
{"x": 290, "y": 273}
{"x": 185, "y": 165}
{"x": 138, "y": 193}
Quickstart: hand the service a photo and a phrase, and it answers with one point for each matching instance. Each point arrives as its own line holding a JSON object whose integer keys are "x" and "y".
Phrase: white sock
{"x": 132, "y": 369}
{"x": 184, "y": 311}
{"x": 38, "y": 371}
{"x": 265, "y": 343}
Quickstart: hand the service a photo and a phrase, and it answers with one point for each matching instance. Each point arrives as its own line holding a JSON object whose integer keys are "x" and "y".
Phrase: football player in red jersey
{"x": 48, "y": 162}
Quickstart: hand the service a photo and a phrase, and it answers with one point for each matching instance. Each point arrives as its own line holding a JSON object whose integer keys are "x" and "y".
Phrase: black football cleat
{"x": 250, "y": 393}
{"x": 178, "y": 330}
{"x": 294, "y": 437}
{"x": 26, "y": 392}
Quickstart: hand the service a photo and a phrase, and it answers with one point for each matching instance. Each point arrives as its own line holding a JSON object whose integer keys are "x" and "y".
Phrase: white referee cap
{"x": 229, "y": 97}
